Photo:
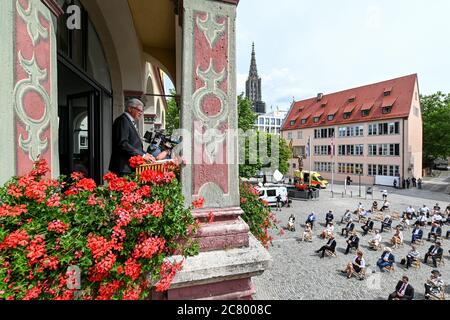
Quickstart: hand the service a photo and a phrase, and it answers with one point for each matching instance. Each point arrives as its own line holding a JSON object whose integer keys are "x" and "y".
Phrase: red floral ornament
{"x": 198, "y": 204}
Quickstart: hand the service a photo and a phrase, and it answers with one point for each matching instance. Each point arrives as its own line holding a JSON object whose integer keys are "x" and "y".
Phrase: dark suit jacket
{"x": 350, "y": 226}
{"x": 409, "y": 292}
{"x": 329, "y": 217}
{"x": 126, "y": 144}
{"x": 332, "y": 244}
{"x": 369, "y": 225}
{"x": 437, "y": 231}
{"x": 420, "y": 233}
{"x": 391, "y": 257}
{"x": 354, "y": 241}
{"x": 439, "y": 252}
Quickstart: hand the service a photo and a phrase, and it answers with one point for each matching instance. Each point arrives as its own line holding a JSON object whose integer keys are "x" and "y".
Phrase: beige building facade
{"x": 374, "y": 133}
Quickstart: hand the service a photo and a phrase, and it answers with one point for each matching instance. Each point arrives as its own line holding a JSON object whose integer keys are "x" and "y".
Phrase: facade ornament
{"x": 31, "y": 17}
{"x": 211, "y": 29}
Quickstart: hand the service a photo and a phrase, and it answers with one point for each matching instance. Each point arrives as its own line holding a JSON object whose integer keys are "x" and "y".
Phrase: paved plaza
{"x": 298, "y": 273}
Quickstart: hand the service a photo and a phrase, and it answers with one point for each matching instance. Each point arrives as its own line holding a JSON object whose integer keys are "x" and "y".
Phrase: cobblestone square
{"x": 298, "y": 273}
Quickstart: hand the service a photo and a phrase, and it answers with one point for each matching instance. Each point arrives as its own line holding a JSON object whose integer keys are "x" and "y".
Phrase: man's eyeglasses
{"x": 140, "y": 111}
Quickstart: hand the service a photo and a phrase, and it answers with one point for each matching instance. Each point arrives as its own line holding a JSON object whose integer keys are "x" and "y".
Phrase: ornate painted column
{"x": 28, "y": 90}
{"x": 230, "y": 255}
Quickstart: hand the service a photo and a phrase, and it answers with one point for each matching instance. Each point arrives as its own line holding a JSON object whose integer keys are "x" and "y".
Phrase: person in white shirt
{"x": 374, "y": 243}
{"x": 347, "y": 217}
{"x": 434, "y": 285}
{"x": 437, "y": 218}
{"x": 385, "y": 194}
{"x": 307, "y": 234}
{"x": 410, "y": 213}
{"x": 422, "y": 220}
{"x": 425, "y": 210}
{"x": 413, "y": 255}
{"x": 357, "y": 265}
{"x": 385, "y": 206}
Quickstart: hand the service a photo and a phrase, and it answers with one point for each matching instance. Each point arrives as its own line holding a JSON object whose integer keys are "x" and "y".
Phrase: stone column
{"x": 28, "y": 90}
{"x": 230, "y": 255}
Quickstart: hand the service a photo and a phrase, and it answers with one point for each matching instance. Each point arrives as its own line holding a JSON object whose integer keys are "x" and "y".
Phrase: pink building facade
{"x": 374, "y": 130}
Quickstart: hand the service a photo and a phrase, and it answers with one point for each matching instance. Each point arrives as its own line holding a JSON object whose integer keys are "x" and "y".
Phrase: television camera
{"x": 159, "y": 140}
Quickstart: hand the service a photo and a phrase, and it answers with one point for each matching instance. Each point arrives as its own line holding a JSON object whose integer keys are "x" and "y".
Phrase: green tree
{"x": 246, "y": 122}
{"x": 436, "y": 127}
{"x": 173, "y": 114}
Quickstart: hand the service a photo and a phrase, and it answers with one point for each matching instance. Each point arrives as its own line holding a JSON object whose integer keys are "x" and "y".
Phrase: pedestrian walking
{"x": 404, "y": 183}
{"x": 414, "y": 182}
{"x": 408, "y": 183}
{"x": 278, "y": 202}
{"x": 385, "y": 194}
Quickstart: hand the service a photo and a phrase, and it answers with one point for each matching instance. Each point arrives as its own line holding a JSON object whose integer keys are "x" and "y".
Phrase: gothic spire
{"x": 253, "y": 68}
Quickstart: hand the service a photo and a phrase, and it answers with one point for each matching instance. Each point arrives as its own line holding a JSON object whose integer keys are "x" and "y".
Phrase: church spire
{"x": 253, "y": 86}
{"x": 253, "y": 68}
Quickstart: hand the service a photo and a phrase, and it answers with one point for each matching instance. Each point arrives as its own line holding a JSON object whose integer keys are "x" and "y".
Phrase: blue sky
{"x": 306, "y": 47}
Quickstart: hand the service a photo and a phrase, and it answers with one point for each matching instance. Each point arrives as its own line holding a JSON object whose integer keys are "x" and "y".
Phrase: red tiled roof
{"x": 368, "y": 97}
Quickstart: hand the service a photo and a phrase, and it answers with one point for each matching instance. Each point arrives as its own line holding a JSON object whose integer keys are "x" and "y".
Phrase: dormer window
{"x": 387, "y": 92}
{"x": 324, "y": 104}
{"x": 292, "y": 123}
{"x": 365, "y": 113}
{"x": 316, "y": 119}
{"x": 386, "y": 110}
{"x": 352, "y": 99}
{"x": 304, "y": 121}
{"x": 331, "y": 117}
{"x": 347, "y": 115}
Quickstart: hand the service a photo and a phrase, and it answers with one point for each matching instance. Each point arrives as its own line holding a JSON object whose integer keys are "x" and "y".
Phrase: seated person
{"x": 413, "y": 255}
{"x": 346, "y": 217}
{"x": 425, "y": 211}
{"x": 397, "y": 239}
{"x": 447, "y": 210}
{"x": 436, "y": 231}
{"x": 307, "y": 234}
{"x": 448, "y": 219}
{"x": 403, "y": 290}
{"x": 422, "y": 220}
{"x": 417, "y": 233}
{"x": 404, "y": 224}
{"x": 352, "y": 242}
{"x": 328, "y": 218}
{"x": 375, "y": 242}
{"x": 291, "y": 223}
{"x": 375, "y": 206}
{"x": 360, "y": 207}
{"x": 387, "y": 259}
{"x": 348, "y": 228}
{"x": 330, "y": 246}
{"x": 368, "y": 226}
{"x": 436, "y": 208}
{"x": 311, "y": 219}
{"x": 435, "y": 252}
{"x": 328, "y": 232}
{"x": 437, "y": 218}
{"x": 357, "y": 265}
{"x": 386, "y": 223}
{"x": 434, "y": 285}
{"x": 364, "y": 215}
{"x": 410, "y": 213}
{"x": 385, "y": 206}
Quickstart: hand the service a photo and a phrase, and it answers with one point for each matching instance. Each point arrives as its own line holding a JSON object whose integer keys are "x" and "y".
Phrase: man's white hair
{"x": 133, "y": 102}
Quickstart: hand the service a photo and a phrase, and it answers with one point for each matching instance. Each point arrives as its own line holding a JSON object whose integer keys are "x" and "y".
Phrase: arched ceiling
{"x": 154, "y": 21}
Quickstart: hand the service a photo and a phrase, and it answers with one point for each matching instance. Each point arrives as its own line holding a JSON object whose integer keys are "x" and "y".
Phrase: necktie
{"x": 135, "y": 126}
{"x": 402, "y": 289}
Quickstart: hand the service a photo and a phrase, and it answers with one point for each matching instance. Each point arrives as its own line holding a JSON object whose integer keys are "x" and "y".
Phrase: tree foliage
{"x": 436, "y": 127}
{"x": 173, "y": 114}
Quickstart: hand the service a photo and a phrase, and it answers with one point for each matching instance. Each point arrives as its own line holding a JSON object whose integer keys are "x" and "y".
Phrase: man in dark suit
{"x": 352, "y": 242}
{"x": 417, "y": 233}
{"x": 127, "y": 141}
{"x": 436, "y": 231}
{"x": 348, "y": 228}
{"x": 435, "y": 252}
{"x": 329, "y": 218}
{"x": 368, "y": 226}
{"x": 403, "y": 290}
{"x": 330, "y": 246}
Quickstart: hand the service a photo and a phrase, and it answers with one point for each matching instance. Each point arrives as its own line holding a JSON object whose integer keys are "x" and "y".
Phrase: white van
{"x": 270, "y": 194}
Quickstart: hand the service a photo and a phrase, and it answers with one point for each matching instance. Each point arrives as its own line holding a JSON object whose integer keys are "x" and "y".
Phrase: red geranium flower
{"x": 58, "y": 226}
{"x": 136, "y": 161}
{"x": 86, "y": 184}
{"x": 198, "y": 204}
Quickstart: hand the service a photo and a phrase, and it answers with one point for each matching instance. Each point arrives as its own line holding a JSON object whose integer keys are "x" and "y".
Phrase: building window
{"x": 323, "y": 166}
{"x": 416, "y": 112}
{"x": 298, "y": 151}
{"x": 383, "y": 170}
{"x": 272, "y": 121}
{"x": 292, "y": 123}
{"x": 351, "y": 150}
{"x": 289, "y": 135}
{"x": 387, "y": 128}
{"x": 299, "y": 135}
{"x": 355, "y": 131}
{"x": 384, "y": 150}
{"x": 365, "y": 113}
{"x": 351, "y": 168}
{"x": 304, "y": 121}
{"x": 331, "y": 117}
{"x": 267, "y": 121}
{"x": 347, "y": 115}
{"x": 386, "y": 110}
{"x": 278, "y": 122}
{"x": 316, "y": 119}
{"x": 261, "y": 121}
{"x": 322, "y": 150}
{"x": 324, "y": 133}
